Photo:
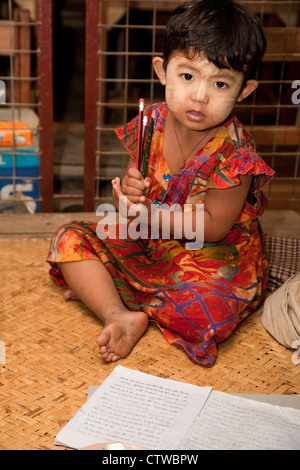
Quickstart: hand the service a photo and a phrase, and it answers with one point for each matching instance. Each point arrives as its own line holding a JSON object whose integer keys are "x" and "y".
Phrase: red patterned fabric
{"x": 197, "y": 297}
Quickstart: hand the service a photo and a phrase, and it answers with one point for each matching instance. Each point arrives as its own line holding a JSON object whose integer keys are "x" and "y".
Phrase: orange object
{"x": 14, "y": 133}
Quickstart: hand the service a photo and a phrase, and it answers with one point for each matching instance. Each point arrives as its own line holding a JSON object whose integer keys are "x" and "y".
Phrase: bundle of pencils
{"x": 139, "y": 145}
{"x": 147, "y": 150}
{"x": 142, "y": 157}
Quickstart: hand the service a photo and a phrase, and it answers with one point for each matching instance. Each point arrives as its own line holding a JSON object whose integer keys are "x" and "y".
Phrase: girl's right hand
{"x": 133, "y": 185}
{"x": 123, "y": 204}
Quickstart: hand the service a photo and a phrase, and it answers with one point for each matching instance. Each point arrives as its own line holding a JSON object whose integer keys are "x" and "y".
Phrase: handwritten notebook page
{"x": 136, "y": 408}
{"x": 229, "y": 422}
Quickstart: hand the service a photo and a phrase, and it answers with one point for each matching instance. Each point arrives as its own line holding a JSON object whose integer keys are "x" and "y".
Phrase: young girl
{"x": 200, "y": 153}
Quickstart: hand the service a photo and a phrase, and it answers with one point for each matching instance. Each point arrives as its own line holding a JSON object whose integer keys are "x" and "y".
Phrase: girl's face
{"x": 200, "y": 95}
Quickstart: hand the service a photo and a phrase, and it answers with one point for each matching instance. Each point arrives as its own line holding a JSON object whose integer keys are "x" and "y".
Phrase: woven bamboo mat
{"x": 52, "y": 358}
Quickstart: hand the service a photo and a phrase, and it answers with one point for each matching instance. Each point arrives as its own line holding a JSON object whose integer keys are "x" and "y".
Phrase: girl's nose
{"x": 200, "y": 94}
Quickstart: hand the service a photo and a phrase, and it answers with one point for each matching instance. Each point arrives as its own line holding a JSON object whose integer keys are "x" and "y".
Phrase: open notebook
{"x": 157, "y": 413}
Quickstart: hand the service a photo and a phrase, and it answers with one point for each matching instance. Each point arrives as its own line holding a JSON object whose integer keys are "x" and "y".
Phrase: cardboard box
{"x": 22, "y": 192}
{"x": 14, "y": 133}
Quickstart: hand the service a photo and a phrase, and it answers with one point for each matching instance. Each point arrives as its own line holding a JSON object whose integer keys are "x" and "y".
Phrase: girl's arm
{"x": 221, "y": 209}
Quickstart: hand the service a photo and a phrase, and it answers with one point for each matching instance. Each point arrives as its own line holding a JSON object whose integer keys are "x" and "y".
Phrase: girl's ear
{"x": 249, "y": 88}
{"x": 158, "y": 65}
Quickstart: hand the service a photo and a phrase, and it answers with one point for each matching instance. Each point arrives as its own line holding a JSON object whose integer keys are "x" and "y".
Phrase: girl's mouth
{"x": 195, "y": 116}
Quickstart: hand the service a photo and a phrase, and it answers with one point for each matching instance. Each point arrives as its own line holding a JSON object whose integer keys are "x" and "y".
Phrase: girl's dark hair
{"x": 226, "y": 32}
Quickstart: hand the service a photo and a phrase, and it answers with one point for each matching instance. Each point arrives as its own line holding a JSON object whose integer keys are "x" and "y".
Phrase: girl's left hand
{"x": 116, "y": 189}
{"x": 139, "y": 206}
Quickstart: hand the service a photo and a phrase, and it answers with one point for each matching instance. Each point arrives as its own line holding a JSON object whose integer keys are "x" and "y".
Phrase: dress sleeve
{"x": 242, "y": 161}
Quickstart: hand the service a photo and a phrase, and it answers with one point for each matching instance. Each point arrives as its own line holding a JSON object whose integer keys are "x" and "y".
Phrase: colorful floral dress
{"x": 197, "y": 297}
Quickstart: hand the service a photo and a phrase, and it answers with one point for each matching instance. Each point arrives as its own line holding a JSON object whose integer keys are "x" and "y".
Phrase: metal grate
{"x": 121, "y": 39}
{"x": 26, "y": 116}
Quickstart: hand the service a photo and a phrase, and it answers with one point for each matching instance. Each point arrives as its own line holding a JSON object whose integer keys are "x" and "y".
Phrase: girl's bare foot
{"x": 69, "y": 294}
{"x": 120, "y": 333}
{"x": 122, "y": 328}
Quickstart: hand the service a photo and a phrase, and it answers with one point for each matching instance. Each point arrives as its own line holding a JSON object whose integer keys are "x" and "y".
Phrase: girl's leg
{"x": 90, "y": 281}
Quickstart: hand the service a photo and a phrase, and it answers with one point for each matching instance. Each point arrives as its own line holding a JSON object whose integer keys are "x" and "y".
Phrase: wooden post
{"x": 45, "y": 81}
{"x": 91, "y": 93}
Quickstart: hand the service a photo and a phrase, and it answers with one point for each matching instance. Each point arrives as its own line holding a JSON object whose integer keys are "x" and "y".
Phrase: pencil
{"x": 139, "y": 136}
{"x": 145, "y": 123}
{"x": 148, "y": 145}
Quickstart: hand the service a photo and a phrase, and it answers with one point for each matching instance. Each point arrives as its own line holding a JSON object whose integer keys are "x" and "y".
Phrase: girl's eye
{"x": 220, "y": 85}
{"x": 187, "y": 76}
